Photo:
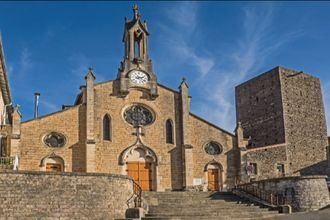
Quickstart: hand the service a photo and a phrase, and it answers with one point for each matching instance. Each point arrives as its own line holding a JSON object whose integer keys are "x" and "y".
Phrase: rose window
{"x": 54, "y": 139}
{"x": 137, "y": 115}
{"x": 213, "y": 148}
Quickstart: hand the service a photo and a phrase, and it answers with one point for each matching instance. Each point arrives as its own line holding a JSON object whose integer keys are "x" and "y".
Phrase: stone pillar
{"x": 16, "y": 132}
{"x": 90, "y": 139}
{"x": 132, "y": 45}
{"x": 186, "y": 146}
{"x": 241, "y": 163}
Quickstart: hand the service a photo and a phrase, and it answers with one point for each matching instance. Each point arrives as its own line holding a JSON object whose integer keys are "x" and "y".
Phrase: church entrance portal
{"x": 53, "y": 167}
{"x": 213, "y": 179}
{"x": 140, "y": 163}
{"x": 141, "y": 173}
{"x": 213, "y": 175}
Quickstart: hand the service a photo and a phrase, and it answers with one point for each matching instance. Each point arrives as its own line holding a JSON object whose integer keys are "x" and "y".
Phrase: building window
{"x": 280, "y": 169}
{"x": 106, "y": 128}
{"x": 251, "y": 169}
{"x": 138, "y": 115}
{"x": 213, "y": 148}
{"x": 54, "y": 139}
{"x": 169, "y": 132}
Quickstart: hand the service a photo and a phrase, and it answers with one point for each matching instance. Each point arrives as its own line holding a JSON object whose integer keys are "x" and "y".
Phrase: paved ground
{"x": 316, "y": 215}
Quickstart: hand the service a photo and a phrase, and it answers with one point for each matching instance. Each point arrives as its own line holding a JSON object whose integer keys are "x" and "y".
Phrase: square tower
{"x": 285, "y": 106}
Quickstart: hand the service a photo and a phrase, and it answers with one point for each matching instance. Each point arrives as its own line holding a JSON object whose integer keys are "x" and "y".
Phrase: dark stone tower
{"x": 285, "y": 106}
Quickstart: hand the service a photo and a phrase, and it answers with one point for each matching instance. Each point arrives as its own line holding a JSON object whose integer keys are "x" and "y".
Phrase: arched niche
{"x": 213, "y": 176}
{"x": 52, "y": 163}
{"x": 140, "y": 162}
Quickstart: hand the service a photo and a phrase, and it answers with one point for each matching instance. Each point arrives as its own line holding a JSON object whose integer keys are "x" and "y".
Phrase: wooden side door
{"x": 53, "y": 167}
{"x": 141, "y": 173}
{"x": 213, "y": 179}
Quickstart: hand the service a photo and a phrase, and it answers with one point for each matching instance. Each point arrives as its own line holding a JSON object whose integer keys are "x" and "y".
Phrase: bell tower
{"x": 136, "y": 68}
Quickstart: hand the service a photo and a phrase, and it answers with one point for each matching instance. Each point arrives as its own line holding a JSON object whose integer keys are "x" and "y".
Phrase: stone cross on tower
{"x": 136, "y": 11}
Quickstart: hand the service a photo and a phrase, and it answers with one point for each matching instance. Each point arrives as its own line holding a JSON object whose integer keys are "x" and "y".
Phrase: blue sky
{"x": 215, "y": 45}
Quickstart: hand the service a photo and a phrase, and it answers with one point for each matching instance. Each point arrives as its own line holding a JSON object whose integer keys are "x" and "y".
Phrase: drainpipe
{"x": 36, "y": 104}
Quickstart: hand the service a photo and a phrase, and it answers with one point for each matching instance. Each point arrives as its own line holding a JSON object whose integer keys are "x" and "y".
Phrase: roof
{"x": 4, "y": 83}
{"x": 277, "y": 70}
{"x": 211, "y": 124}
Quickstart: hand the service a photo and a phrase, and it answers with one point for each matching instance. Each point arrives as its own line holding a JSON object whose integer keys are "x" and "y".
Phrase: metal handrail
{"x": 7, "y": 160}
{"x": 136, "y": 196}
{"x": 274, "y": 198}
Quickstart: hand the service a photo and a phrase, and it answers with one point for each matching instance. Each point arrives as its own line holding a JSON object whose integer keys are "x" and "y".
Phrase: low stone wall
{"x": 305, "y": 193}
{"x": 41, "y": 195}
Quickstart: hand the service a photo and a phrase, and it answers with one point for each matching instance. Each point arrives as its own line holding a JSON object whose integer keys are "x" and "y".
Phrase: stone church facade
{"x": 135, "y": 126}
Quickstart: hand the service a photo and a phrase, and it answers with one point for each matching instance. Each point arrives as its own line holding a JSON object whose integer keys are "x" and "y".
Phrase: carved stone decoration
{"x": 213, "y": 148}
{"x": 54, "y": 139}
{"x": 137, "y": 115}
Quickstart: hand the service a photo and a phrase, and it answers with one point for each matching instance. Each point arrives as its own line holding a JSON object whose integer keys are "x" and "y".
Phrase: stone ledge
{"x": 289, "y": 178}
{"x": 65, "y": 174}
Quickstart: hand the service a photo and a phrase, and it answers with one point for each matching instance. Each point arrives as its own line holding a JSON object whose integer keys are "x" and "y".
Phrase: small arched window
{"x": 107, "y": 128}
{"x": 169, "y": 132}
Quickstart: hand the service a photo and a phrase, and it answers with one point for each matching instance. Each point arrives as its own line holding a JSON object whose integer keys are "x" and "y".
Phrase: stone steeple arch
{"x": 136, "y": 68}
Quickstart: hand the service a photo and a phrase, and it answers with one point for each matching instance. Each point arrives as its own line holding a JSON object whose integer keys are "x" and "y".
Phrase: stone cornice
{"x": 3, "y": 77}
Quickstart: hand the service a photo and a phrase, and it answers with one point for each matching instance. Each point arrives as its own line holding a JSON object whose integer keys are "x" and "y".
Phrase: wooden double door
{"x": 53, "y": 167}
{"x": 141, "y": 173}
{"x": 213, "y": 179}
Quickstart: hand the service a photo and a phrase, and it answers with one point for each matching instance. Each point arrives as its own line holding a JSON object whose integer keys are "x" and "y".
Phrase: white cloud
{"x": 183, "y": 21}
{"x": 25, "y": 61}
{"x": 48, "y": 106}
{"x": 256, "y": 44}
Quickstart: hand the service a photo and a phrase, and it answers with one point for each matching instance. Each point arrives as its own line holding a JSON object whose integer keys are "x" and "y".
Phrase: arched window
{"x": 107, "y": 128}
{"x": 169, "y": 132}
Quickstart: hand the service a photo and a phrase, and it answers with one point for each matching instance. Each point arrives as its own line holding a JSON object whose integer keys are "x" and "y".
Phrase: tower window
{"x": 136, "y": 49}
{"x": 169, "y": 132}
{"x": 106, "y": 128}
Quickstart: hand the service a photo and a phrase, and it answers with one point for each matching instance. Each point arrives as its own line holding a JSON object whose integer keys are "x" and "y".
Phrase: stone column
{"x": 241, "y": 163}
{"x": 90, "y": 139}
{"x": 16, "y": 132}
{"x": 186, "y": 146}
{"x": 132, "y": 45}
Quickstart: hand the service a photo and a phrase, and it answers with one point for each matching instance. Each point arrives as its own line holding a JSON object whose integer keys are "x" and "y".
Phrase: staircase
{"x": 202, "y": 206}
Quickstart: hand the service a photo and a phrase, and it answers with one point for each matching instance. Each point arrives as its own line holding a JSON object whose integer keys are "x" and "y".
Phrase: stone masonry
{"x": 40, "y": 195}
{"x": 283, "y": 107}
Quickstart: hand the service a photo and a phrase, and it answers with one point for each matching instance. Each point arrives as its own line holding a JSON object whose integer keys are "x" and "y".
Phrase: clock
{"x": 138, "y": 77}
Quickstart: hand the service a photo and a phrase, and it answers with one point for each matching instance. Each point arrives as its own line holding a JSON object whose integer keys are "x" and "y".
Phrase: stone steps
{"x": 202, "y": 206}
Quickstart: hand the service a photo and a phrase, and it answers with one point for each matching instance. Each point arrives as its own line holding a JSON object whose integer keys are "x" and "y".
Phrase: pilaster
{"x": 16, "y": 132}
{"x": 90, "y": 138}
{"x": 186, "y": 146}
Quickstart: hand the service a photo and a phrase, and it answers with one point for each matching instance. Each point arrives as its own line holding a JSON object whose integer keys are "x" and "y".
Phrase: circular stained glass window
{"x": 213, "y": 148}
{"x": 138, "y": 115}
{"x": 54, "y": 139}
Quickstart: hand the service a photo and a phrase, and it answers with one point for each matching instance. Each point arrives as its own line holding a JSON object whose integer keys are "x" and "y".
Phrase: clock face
{"x": 138, "y": 77}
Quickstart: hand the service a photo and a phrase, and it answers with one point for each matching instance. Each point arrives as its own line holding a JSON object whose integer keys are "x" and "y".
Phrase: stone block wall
{"x": 307, "y": 193}
{"x": 202, "y": 133}
{"x": 286, "y": 106}
{"x": 33, "y": 149}
{"x": 266, "y": 159}
{"x": 41, "y": 195}
{"x": 259, "y": 109}
{"x": 107, "y": 101}
{"x": 304, "y": 121}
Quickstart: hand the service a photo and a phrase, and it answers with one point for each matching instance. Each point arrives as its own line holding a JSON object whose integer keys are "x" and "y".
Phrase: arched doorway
{"x": 52, "y": 163}
{"x": 140, "y": 164}
{"x": 214, "y": 176}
